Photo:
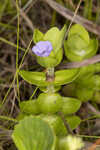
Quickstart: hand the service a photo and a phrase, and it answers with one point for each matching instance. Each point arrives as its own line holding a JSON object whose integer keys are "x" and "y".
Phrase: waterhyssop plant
{"x": 40, "y": 125}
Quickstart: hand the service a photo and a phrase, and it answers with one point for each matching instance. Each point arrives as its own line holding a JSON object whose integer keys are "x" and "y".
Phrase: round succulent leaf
{"x": 61, "y": 37}
{"x": 96, "y": 97}
{"x": 55, "y": 36}
{"x": 33, "y": 133}
{"x": 70, "y": 105}
{"x": 75, "y": 51}
{"x": 51, "y": 36}
{"x": 86, "y": 82}
{"x": 76, "y": 43}
{"x": 97, "y": 67}
{"x": 49, "y": 102}
{"x": 65, "y": 76}
{"x": 29, "y": 107}
{"x": 86, "y": 71}
{"x": 97, "y": 82}
{"x": 81, "y": 31}
{"x": 92, "y": 48}
{"x": 72, "y": 56}
{"x": 37, "y": 36}
{"x": 84, "y": 94}
{"x": 73, "y": 121}
{"x": 36, "y": 78}
{"x": 56, "y": 123}
{"x": 90, "y": 82}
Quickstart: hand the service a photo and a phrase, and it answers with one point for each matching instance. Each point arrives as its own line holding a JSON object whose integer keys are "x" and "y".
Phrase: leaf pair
{"x": 39, "y": 78}
{"x": 68, "y": 105}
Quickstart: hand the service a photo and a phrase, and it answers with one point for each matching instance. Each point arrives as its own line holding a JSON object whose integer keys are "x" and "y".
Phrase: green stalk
{"x": 88, "y": 9}
{"x": 53, "y": 18}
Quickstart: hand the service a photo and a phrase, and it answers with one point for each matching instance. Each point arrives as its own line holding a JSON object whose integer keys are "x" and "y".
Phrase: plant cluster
{"x": 40, "y": 125}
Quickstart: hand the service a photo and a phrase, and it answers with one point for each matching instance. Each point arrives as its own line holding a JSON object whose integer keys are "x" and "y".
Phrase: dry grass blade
{"x": 85, "y": 62}
{"x": 90, "y": 26}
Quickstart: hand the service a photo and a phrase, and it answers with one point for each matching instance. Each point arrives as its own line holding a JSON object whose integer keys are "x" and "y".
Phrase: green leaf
{"x": 51, "y": 35}
{"x": 92, "y": 48}
{"x": 36, "y": 78}
{"x": 97, "y": 82}
{"x": 73, "y": 121}
{"x": 81, "y": 31}
{"x": 89, "y": 82}
{"x": 75, "y": 43}
{"x": 75, "y": 48}
{"x": 56, "y": 37}
{"x": 33, "y": 133}
{"x": 84, "y": 94}
{"x": 29, "y": 107}
{"x": 86, "y": 71}
{"x": 59, "y": 40}
{"x": 49, "y": 102}
{"x": 56, "y": 123}
{"x": 37, "y": 36}
{"x": 52, "y": 60}
{"x": 70, "y": 105}
{"x": 96, "y": 97}
{"x": 65, "y": 76}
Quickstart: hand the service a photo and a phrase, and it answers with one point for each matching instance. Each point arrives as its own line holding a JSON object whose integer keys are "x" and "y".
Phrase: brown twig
{"x": 85, "y": 62}
{"x": 68, "y": 14}
{"x": 26, "y": 18}
{"x": 70, "y": 3}
{"x": 93, "y": 109}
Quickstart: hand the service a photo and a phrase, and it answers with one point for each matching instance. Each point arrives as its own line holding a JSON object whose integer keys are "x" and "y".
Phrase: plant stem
{"x": 50, "y": 78}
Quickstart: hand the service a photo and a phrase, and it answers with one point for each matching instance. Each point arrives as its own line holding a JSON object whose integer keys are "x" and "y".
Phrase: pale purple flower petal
{"x": 42, "y": 48}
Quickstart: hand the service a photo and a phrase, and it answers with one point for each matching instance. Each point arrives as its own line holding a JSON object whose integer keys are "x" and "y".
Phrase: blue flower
{"x": 42, "y": 48}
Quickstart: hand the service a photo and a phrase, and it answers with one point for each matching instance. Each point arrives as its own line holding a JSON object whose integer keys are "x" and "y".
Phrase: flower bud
{"x": 70, "y": 143}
